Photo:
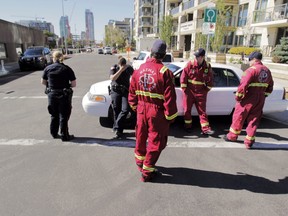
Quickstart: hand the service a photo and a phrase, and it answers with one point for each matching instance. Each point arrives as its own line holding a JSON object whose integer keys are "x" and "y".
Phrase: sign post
{"x": 209, "y": 25}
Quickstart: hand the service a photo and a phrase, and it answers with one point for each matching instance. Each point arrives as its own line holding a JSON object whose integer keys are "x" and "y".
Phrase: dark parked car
{"x": 35, "y": 57}
{"x": 100, "y": 51}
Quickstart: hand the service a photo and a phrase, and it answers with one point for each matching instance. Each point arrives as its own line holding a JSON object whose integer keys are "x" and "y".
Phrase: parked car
{"x": 107, "y": 50}
{"x": 221, "y": 98}
{"x": 100, "y": 51}
{"x": 114, "y": 51}
{"x": 144, "y": 55}
{"x": 35, "y": 57}
{"x": 89, "y": 49}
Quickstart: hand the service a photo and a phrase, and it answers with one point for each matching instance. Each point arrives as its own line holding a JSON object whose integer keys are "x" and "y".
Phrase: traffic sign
{"x": 208, "y": 28}
{"x": 210, "y": 15}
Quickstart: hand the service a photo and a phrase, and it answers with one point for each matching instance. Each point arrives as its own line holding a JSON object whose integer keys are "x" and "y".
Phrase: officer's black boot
{"x": 65, "y": 136}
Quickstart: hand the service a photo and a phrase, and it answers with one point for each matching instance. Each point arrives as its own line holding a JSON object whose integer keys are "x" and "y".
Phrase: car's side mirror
{"x": 134, "y": 58}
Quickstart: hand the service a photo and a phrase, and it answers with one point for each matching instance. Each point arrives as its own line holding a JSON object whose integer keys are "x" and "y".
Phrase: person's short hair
{"x": 256, "y": 55}
{"x": 122, "y": 61}
{"x": 158, "y": 55}
{"x": 200, "y": 52}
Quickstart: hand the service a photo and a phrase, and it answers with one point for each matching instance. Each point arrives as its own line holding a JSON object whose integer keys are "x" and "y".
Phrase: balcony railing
{"x": 187, "y": 5}
{"x": 175, "y": 10}
{"x": 202, "y": 1}
{"x": 278, "y": 12}
{"x": 147, "y": 3}
{"x": 146, "y": 14}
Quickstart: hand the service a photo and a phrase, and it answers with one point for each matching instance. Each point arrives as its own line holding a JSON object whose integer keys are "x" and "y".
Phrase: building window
{"x": 239, "y": 40}
{"x": 3, "y": 53}
{"x": 242, "y": 15}
{"x": 261, "y": 4}
{"x": 228, "y": 39}
{"x": 255, "y": 40}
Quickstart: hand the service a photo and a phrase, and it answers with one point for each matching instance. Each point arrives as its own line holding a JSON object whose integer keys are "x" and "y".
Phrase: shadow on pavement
{"x": 11, "y": 76}
{"x": 212, "y": 179}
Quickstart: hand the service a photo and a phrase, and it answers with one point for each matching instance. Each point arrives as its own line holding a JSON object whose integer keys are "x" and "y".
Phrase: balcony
{"x": 272, "y": 17}
{"x": 146, "y": 14}
{"x": 146, "y": 24}
{"x": 187, "y": 5}
{"x": 146, "y": 3}
{"x": 175, "y": 11}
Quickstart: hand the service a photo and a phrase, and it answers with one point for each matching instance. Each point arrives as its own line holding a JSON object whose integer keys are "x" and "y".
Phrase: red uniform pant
{"x": 190, "y": 98}
{"x": 151, "y": 136}
{"x": 249, "y": 110}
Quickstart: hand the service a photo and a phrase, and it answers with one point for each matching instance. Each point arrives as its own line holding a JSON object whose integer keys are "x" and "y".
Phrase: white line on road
{"x": 30, "y": 97}
{"x": 131, "y": 143}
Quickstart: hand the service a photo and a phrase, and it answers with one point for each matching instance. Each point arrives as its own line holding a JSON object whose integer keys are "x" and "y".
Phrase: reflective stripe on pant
{"x": 250, "y": 111}
{"x": 151, "y": 128}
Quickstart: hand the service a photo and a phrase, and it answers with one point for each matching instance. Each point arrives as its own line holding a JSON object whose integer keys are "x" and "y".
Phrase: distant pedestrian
{"x": 59, "y": 80}
{"x": 256, "y": 84}
{"x": 152, "y": 95}
{"x": 120, "y": 80}
{"x": 196, "y": 81}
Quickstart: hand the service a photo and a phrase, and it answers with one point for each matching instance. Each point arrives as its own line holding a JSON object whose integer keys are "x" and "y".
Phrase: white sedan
{"x": 221, "y": 98}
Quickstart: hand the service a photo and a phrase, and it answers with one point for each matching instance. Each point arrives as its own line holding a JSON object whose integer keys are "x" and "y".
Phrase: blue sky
{"x": 51, "y": 11}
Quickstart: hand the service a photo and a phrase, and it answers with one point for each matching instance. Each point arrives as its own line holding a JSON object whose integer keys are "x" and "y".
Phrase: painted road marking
{"x": 131, "y": 143}
{"x": 30, "y": 97}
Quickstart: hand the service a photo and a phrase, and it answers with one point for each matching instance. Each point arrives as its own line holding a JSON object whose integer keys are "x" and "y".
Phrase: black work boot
{"x": 66, "y": 138}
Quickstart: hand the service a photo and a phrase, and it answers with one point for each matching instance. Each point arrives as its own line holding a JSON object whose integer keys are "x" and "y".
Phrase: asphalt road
{"x": 96, "y": 175}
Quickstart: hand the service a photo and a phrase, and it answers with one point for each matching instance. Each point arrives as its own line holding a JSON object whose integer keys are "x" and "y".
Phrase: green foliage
{"x": 201, "y": 40}
{"x": 240, "y": 50}
{"x": 166, "y": 29}
{"x": 280, "y": 54}
{"x": 221, "y": 29}
{"x": 114, "y": 36}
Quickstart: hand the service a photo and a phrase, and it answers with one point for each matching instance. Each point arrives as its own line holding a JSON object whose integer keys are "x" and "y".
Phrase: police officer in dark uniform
{"x": 120, "y": 76}
{"x": 59, "y": 80}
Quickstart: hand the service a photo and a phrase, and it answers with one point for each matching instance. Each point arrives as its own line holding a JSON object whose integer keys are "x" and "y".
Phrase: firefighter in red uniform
{"x": 256, "y": 84}
{"x": 152, "y": 95}
{"x": 196, "y": 81}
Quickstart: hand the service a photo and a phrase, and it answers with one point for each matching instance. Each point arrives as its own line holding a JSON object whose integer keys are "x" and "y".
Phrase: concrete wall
{"x": 17, "y": 36}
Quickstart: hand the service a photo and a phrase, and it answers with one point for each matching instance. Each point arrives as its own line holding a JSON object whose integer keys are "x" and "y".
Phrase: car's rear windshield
{"x": 33, "y": 52}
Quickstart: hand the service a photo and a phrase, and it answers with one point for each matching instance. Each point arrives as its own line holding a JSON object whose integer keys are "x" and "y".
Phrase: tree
{"x": 222, "y": 29}
{"x": 50, "y": 39}
{"x": 280, "y": 54}
{"x": 166, "y": 29}
{"x": 114, "y": 36}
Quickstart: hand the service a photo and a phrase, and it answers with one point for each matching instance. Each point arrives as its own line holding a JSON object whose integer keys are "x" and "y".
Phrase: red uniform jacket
{"x": 153, "y": 83}
{"x": 255, "y": 80}
{"x": 198, "y": 79}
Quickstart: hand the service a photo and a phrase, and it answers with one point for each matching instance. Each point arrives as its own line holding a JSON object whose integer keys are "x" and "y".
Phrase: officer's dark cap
{"x": 159, "y": 46}
{"x": 256, "y": 55}
{"x": 200, "y": 52}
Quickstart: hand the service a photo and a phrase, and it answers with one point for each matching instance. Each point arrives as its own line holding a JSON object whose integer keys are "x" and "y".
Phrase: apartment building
{"x": 258, "y": 23}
